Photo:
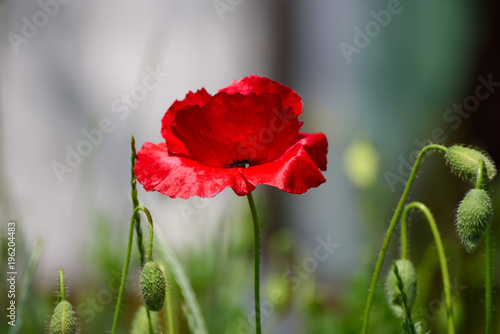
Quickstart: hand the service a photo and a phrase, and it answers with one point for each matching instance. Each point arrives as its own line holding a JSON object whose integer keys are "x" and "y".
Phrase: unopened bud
{"x": 464, "y": 161}
{"x": 394, "y": 297}
{"x": 63, "y": 320}
{"x": 473, "y": 216}
{"x": 153, "y": 285}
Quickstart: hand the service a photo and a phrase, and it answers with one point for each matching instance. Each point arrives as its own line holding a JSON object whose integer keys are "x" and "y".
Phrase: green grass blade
{"x": 193, "y": 309}
{"x": 26, "y": 287}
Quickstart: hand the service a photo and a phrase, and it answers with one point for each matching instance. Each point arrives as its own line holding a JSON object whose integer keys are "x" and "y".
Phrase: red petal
{"x": 236, "y": 128}
{"x": 296, "y": 171}
{"x": 181, "y": 177}
{"x": 261, "y": 85}
{"x": 316, "y": 146}
{"x": 192, "y": 99}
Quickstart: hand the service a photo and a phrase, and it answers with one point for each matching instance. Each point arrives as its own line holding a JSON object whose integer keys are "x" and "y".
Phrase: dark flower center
{"x": 240, "y": 163}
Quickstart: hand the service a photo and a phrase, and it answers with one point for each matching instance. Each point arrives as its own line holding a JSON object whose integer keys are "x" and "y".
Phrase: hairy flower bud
{"x": 153, "y": 285}
{"x": 394, "y": 297}
{"x": 473, "y": 216}
{"x": 141, "y": 322}
{"x": 63, "y": 320}
{"x": 464, "y": 162}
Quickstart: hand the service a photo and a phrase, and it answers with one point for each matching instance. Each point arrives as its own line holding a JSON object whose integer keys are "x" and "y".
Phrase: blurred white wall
{"x": 71, "y": 75}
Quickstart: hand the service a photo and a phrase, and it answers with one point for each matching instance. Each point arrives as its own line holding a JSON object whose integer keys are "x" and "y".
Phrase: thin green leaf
{"x": 197, "y": 323}
{"x": 26, "y": 286}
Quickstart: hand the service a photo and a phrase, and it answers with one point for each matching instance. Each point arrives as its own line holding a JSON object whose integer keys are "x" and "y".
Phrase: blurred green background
{"x": 378, "y": 85}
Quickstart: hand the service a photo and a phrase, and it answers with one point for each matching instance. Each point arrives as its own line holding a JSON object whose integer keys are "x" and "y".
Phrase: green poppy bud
{"x": 141, "y": 322}
{"x": 464, "y": 162}
{"x": 63, "y": 320}
{"x": 153, "y": 285}
{"x": 394, "y": 297}
{"x": 473, "y": 216}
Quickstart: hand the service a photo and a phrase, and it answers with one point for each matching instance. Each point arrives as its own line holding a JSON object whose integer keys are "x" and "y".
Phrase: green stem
{"x": 62, "y": 290}
{"x": 150, "y": 258}
{"x": 442, "y": 257}
{"x": 404, "y": 238}
{"x": 170, "y": 314}
{"x": 151, "y": 233}
{"x": 125, "y": 266}
{"x": 151, "y": 330}
{"x": 397, "y": 213}
{"x": 256, "y": 262}
{"x": 135, "y": 203}
{"x": 488, "y": 278}
{"x": 482, "y": 182}
{"x": 480, "y": 175}
{"x": 137, "y": 220}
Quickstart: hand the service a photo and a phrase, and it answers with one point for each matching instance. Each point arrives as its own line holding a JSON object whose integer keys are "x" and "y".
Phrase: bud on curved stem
{"x": 390, "y": 229}
{"x": 126, "y": 265}
{"x": 441, "y": 254}
{"x": 473, "y": 217}
{"x": 153, "y": 286}
{"x": 464, "y": 161}
{"x": 404, "y": 268}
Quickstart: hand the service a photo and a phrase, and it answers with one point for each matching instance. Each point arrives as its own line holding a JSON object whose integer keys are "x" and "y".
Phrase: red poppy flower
{"x": 246, "y": 134}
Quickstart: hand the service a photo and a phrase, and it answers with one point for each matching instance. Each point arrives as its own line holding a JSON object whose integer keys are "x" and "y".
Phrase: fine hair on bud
{"x": 63, "y": 320}
{"x": 464, "y": 162}
{"x": 140, "y": 324}
{"x": 153, "y": 286}
{"x": 394, "y": 297}
{"x": 473, "y": 217}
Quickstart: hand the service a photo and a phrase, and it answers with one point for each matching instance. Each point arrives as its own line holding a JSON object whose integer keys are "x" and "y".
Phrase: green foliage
{"x": 25, "y": 291}
{"x": 140, "y": 324}
{"x": 182, "y": 280}
{"x": 419, "y": 329}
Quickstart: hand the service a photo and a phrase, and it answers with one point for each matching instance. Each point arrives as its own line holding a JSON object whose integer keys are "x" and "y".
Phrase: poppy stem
{"x": 170, "y": 314}
{"x": 395, "y": 217}
{"x": 256, "y": 230}
{"x": 135, "y": 203}
{"x": 127, "y": 262}
{"x": 482, "y": 183}
{"x": 151, "y": 234}
{"x": 62, "y": 289}
{"x": 441, "y": 254}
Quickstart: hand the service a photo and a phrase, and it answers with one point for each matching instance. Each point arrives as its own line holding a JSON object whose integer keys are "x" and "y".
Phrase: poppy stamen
{"x": 240, "y": 164}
